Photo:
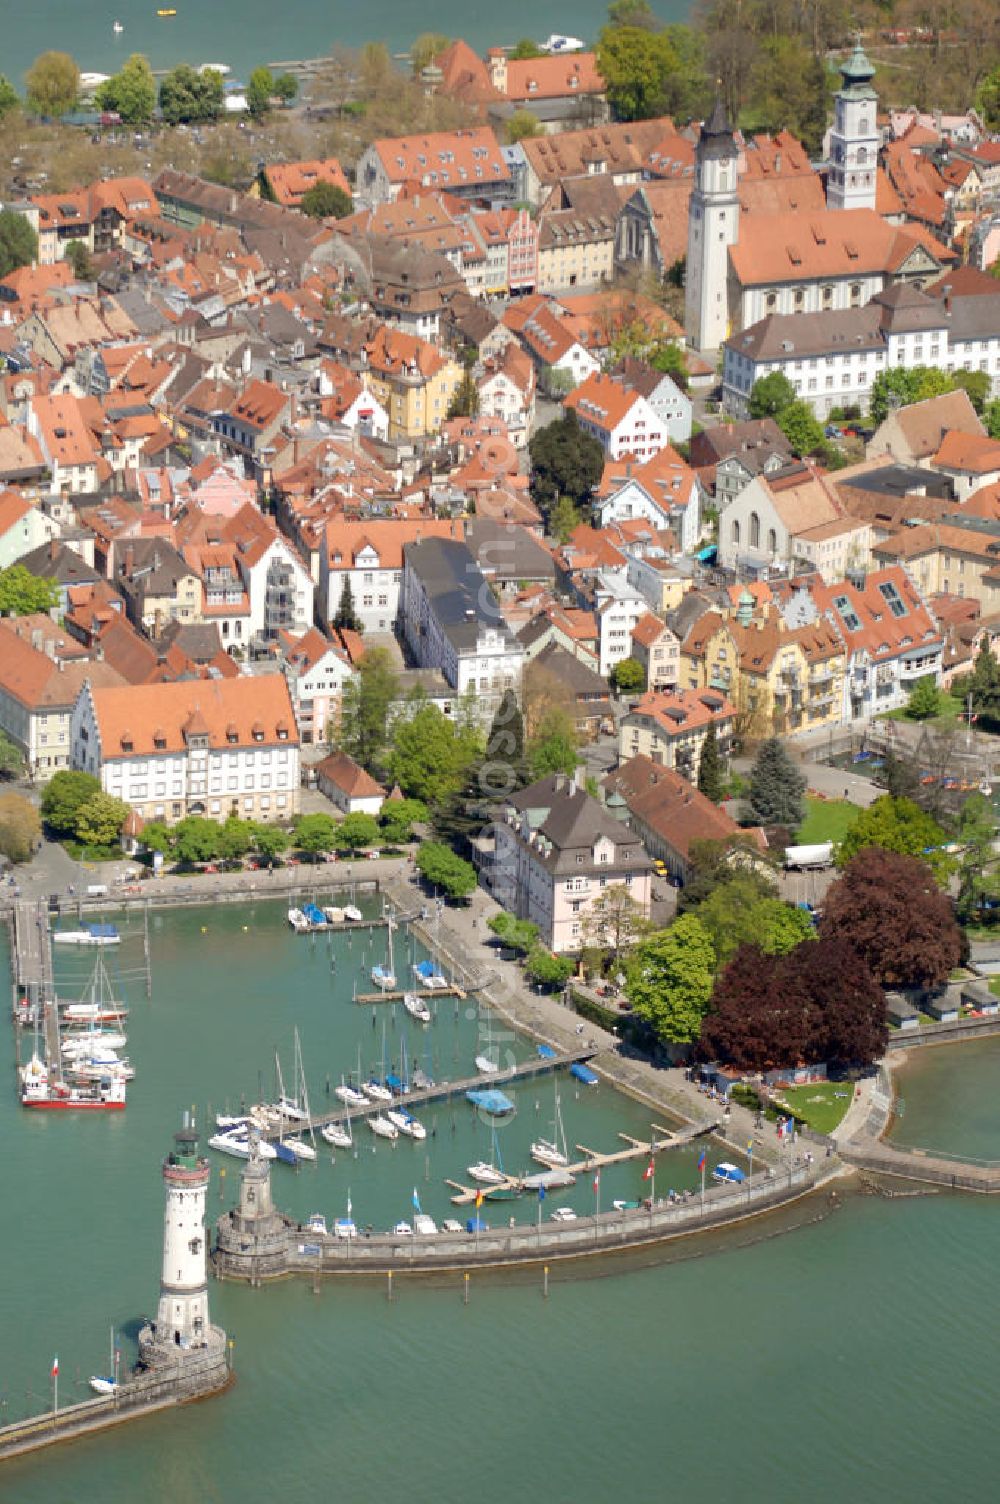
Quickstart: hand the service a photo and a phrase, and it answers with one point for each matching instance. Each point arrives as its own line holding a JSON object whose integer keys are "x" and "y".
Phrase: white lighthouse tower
{"x": 182, "y": 1335}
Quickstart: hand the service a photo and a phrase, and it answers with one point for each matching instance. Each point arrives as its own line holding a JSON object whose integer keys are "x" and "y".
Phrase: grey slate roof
{"x": 461, "y": 599}
{"x": 505, "y": 551}
{"x": 54, "y": 561}
{"x": 572, "y": 821}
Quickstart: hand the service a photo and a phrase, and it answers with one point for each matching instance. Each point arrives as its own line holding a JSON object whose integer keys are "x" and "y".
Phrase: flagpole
{"x": 55, "y": 1386}
{"x": 703, "y": 1182}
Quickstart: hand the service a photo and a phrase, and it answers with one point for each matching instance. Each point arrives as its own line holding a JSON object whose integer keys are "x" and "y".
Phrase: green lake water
{"x": 851, "y": 1359}
{"x": 244, "y": 33}
{"x": 947, "y": 1098}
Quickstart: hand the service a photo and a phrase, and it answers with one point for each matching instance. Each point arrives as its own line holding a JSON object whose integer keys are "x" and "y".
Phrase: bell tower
{"x": 853, "y": 165}
{"x": 713, "y": 226}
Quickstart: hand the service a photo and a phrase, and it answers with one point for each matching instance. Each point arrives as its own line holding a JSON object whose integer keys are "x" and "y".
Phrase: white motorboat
{"x": 97, "y": 1382}
{"x": 557, "y": 43}
{"x": 90, "y": 934}
{"x": 238, "y": 1145}
{"x": 317, "y": 1224}
{"x": 83, "y": 1015}
{"x": 486, "y": 1066}
{"x": 406, "y": 1123}
{"x": 381, "y": 1126}
{"x": 333, "y": 914}
{"x": 298, "y": 1148}
{"x": 93, "y": 1039}
{"x": 117, "y": 28}
{"x": 224, "y": 1121}
{"x": 334, "y": 1134}
{"x": 353, "y": 914}
{"x": 298, "y": 921}
{"x": 416, "y": 1007}
{"x": 376, "y": 1092}
{"x": 485, "y": 1174}
{"x": 350, "y": 1096}
{"x": 97, "y": 1070}
{"x": 385, "y": 976}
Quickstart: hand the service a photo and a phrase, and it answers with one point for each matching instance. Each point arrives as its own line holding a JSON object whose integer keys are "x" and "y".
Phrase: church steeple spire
{"x": 713, "y": 226}
{"x": 853, "y": 165}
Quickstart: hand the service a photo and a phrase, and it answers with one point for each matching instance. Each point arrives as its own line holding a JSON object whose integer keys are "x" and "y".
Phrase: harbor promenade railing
{"x": 605, "y": 1232}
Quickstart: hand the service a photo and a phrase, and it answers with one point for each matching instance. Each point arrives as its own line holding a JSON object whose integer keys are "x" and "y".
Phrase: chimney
{"x": 580, "y": 777}
{"x": 36, "y": 639}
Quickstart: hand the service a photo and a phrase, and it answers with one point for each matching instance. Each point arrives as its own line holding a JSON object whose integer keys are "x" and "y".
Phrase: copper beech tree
{"x": 819, "y": 1002}
{"x": 892, "y": 912}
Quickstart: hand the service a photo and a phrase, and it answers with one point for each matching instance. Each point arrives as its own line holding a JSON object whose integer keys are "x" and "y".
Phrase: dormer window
{"x": 232, "y": 735}
{"x": 160, "y": 739}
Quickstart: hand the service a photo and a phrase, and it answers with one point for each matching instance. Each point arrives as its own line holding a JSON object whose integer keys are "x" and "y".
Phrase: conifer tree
{"x": 489, "y": 781}
{"x": 776, "y": 787}
{"x": 347, "y": 617}
{"x": 710, "y": 776}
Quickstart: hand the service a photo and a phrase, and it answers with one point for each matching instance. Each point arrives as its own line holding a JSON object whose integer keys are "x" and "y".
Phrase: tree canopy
{"x": 196, "y": 839}
{"x": 398, "y": 817}
{"x": 235, "y": 838}
{"x": 735, "y": 913}
{"x": 99, "y": 820}
{"x": 776, "y": 787}
{"x": 519, "y": 934}
{"x": 670, "y": 979}
{"x": 365, "y": 707}
{"x": 890, "y": 909}
{"x": 326, "y": 201}
{"x": 488, "y": 781}
{"x": 565, "y": 461}
{"x": 18, "y": 242}
{"x": 80, "y": 259}
{"x": 819, "y": 1002}
{"x": 636, "y": 64}
{"x": 131, "y": 92}
{"x": 801, "y": 428}
{"x": 924, "y": 700}
{"x": 357, "y": 831}
{"x": 430, "y": 754}
{"x": 902, "y": 826}
{"x": 9, "y": 98}
{"x": 260, "y": 92}
{"x": 188, "y": 97}
{"x": 11, "y": 757}
{"x": 711, "y": 780}
{"x": 315, "y": 833}
{"x": 629, "y": 676}
{"x": 444, "y": 869}
{"x": 23, "y": 593}
{"x": 522, "y": 126}
{"x": 20, "y": 828}
{"x": 52, "y": 84}
{"x": 770, "y": 395}
{"x": 712, "y": 863}
{"x": 547, "y": 969}
{"x": 900, "y": 386}
{"x": 63, "y": 795}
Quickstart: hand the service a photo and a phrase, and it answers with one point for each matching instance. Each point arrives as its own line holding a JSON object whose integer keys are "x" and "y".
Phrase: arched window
{"x": 754, "y": 530}
{"x": 772, "y": 541}
{"x": 862, "y": 156}
{"x": 736, "y": 535}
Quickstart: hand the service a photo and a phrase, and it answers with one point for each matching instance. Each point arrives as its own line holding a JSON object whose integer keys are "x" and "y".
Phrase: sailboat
{"x": 374, "y": 1088}
{"x": 406, "y": 1122}
{"x": 338, "y": 1134}
{"x": 492, "y": 1173}
{"x": 416, "y": 1007}
{"x": 385, "y": 976}
{"x": 107, "y": 1383}
{"x": 295, "y": 1148}
{"x": 553, "y": 1151}
{"x": 382, "y": 1128}
{"x": 485, "y": 1062}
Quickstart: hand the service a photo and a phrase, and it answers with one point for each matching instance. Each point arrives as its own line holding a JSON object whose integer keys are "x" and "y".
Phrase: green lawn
{"x": 826, "y": 820}
{"x": 821, "y": 1105}
{"x": 953, "y": 709}
{"x": 995, "y": 986}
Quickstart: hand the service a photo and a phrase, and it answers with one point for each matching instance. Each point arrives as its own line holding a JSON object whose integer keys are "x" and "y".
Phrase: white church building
{"x": 741, "y": 268}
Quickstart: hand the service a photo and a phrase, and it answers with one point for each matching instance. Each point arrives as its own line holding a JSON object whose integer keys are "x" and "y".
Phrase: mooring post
{"x": 545, "y": 1282}
{"x": 465, "y": 1293}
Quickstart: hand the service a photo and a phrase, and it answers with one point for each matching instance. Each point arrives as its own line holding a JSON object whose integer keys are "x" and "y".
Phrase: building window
{"x": 754, "y": 530}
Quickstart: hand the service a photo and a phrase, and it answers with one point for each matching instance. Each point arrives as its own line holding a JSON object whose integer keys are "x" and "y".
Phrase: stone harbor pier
{"x": 182, "y": 1356}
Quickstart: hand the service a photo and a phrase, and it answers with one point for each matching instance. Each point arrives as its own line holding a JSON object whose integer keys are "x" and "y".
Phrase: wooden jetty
{"x": 594, "y": 1159}
{"x": 441, "y": 1090}
{"x": 397, "y": 996}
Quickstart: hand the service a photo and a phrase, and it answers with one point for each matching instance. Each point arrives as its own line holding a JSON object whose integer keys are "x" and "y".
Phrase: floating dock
{"x": 441, "y": 1090}
{"x": 594, "y": 1160}
{"x": 398, "y": 995}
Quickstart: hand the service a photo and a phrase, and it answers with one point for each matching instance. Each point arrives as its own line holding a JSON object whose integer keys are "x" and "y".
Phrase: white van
{"x": 97, "y": 890}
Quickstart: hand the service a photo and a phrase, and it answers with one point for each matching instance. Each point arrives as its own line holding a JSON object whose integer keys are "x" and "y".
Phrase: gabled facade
{"x": 197, "y": 747}
{"x": 556, "y": 851}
